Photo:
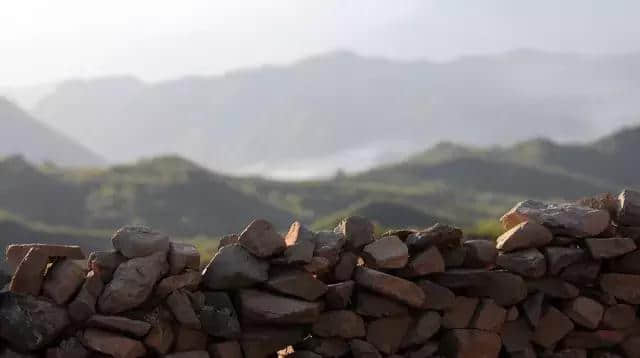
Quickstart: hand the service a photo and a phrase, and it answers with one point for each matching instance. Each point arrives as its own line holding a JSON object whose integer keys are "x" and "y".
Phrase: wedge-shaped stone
{"x": 489, "y": 316}
{"x": 262, "y": 307}
{"x": 386, "y": 334}
{"x": 516, "y": 335}
{"x": 423, "y": 263}
{"x": 470, "y": 343}
{"x": 132, "y": 283}
{"x": 234, "y": 267}
{"x": 64, "y": 279}
{"x": 528, "y": 263}
{"x": 343, "y": 271}
{"x": 460, "y": 314}
{"x": 296, "y": 283}
{"x": 504, "y": 287}
{"x": 261, "y": 239}
{"x": 553, "y": 326}
{"x": 532, "y": 308}
{"x": 525, "y": 235}
{"x": 120, "y": 324}
{"x": 610, "y": 248}
{"x": 180, "y": 305}
{"x": 390, "y": 286}
{"x": 623, "y": 286}
{"x": 585, "y": 312}
{"x": 16, "y": 252}
{"x": 357, "y": 230}
{"x": 554, "y": 287}
{"x": 112, "y": 344}
{"x": 300, "y": 243}
{"x": 342, "y": 323}
{"x": 29, "y": 275}
{"x": 629, "y": 208}
{"x": 562, "y": 219}
{"x": 139, "y": 241}
{"x": 386, "y": 253}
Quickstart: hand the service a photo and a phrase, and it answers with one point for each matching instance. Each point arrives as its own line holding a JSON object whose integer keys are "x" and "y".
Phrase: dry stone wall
{"x": 563, "y": 281}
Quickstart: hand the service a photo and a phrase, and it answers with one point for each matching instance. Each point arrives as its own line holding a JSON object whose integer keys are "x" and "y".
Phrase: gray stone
{"x": 341, "y": 323}
{"x": 234, "y": 267}
{"x": 105, "y": 263}
{"x": 262, "y": 307}
{"x": 610, "y": 248}
{"x": 297, "y": 283}
{"x": 560, "y": 257}
{"x": 261, "y": 239}
{"x": 120, "y": 324}
{"x": 218, "y": 316}
{"x": 300, "y": 243}
{"x": 390, "y": 286}
{"x": 139, "y": 241}
{"x": 357, "y": 230}
{"x": 386, "y": 253}
{"x": 528, "y": 263}
{"x": 63, "y": 280}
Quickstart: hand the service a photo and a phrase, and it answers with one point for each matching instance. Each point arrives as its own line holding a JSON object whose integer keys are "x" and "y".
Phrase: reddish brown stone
{"x": 629, "y": 263}
{"x": 342, "y": 323}
{"x": 338, "y": 295}
{"x": 325, "y": 347}
{"x": 188, "y": 339}
{"x": 619, "y": 316}
{"x": 180, "y": 305}
{"x": 373, "y": 305}
{"x": 229, "y": 349}
{"x": 437, "y": 297}
{"x": 593, "y": 339}
{"x": 609, "y": 248}
{"x": 112, "y": 344}
{"x": 631, "y": 346}
{"x": 363, "y": 349}
{"x": 261, "y": 239}
{"x": 584, "y": 312}
{"x": 623, "y": 286}
{"x": 428, "y": 261}
{"x": 262, "y": 307}
{"x": 489, "y": 316}
{"x": 516, "y": 335}
{"x": 105, "y": 263}
{"x": 161, "y": 336}
{"x": 390, "y": 286}
{"x": 343, "y": 270}
{"x": 560, "y": 257}
{"x": 440, "y": 235}
{"x": 234, "y": 267}
{"x": 386, "y": 253}
{"x": 16, "y": 252}
{"x": 386, "y": 334}
{"x": 139, "y": 241}
{"x": 553, "y": 326}
{"x": 68, "y": 348}
{"x": 554, "y": 287}
{"x": 84, "y": 304}
{"x": 300, "y": 244}
{"x": 525, "y": 235}
{"x": 188, "y": 280}
{"x": 30, "y": 273}
{"x": 63, "y": 280}
{"x": 480, "y": 254}
{"x": 258, "y": 342}
{"x": 183, "y": 256}
{"x": 470, "y": 343}
{"x": 582, "y": 273}
{"x": 528, "y": 263}
{"x": 460, "y": 314}
{"x": 357, "y": 230}
{"x": 504, "y": 287}
{"x": 190, "y": 354}
{"x": 120, "y": 324}
{"x": 296, "y": 283}
{"x": 329, "y": 245}
{"x": 532, "y": 308}
{"x": 318, "y": 265}
{"x": 425, "y": 326}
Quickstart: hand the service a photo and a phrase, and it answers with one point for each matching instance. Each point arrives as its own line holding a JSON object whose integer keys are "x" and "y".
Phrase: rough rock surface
{"x": 139, "y": 241}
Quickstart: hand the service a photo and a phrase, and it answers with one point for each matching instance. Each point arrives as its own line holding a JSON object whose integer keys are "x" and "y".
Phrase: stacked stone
{"x": 562, "y": 282}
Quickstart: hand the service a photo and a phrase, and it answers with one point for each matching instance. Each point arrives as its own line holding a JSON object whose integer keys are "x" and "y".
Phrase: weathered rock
{"x": 443, "y": 236}
{"x": 262, "y": 307}
{"x": 300, "y": 243}
{"x": 532, "y": 308}
{"x": 437, "y": 297}
{"x": 386, "y": 253}
{"x": 504, "y": 287}
{"x": 234, "y": 267}
{"x": 261, "y": 239}
{"x": 363, "y": 349}
{"x": 161, "y": 335}
{"x": 229, "y": 349}
{"x": 329, "y": 245}
{"x": 218, "y": 316}
{"x": 623, "y": 286}
{"x": 84, "y": 304}
{"x": 30, "y": 273}
{"x": 425, "y": 326}
{"x": 390, "y": 286}
{"x": 470, "y": 343}
{"x": 318, "y": 265}
{"x": 619, "y": 316}
{"x": 582, "y": 273}
{"x": 112, "y": 344}
{"x": 260, "y": 342}
{"x": 453, "y": 257}
{"x": 29, "y": 323}
{"x": 338, "y": 295}
{"x": 68, "y": 348}
{"x": 386, "y": 334}
{"x": 605, "y": 298}
{"x": 297, "y": 283}
{"x": 629, "y": 263}
{"x": 373, "y": 305}
{"x": 525, "y": 235}
{"x": 105, "y": 263}
{"x": 64, "y": 279}
{"x": 139, "y": 241}
{"x": 132, "y": 283}
{"x": 341, "y": 323}
{"x": 188, "y": 339}
{"x": 560, "y": 257}
{"x": 357, "y": 230}
{"x": 553, "y": 326}
{"x": 188, "y": 280}
{"x": 516, "y": 335}
{"x": 460, "y": 314}
{"x": 610, "y": 248}
{"x": 16, "y": 252}
{"x": 180, "y": 305}
{"x": 325, "y": 347}
{"x": 561, "y": 219}
{"x": 528, "y": 263}
{"x": 343, "y": 270}
{"x": 428, "y": 261}
{"x": 629, "y": 208}
{"x": 593, "y": 339}
{"x": 183, "y": 256}
{"x": 584, "y": 312}
{"x": 489, "y": 316}
{"x": 120, "y": 324}
{"x": 554, "y": 287}
{"x": 480, "y": 254}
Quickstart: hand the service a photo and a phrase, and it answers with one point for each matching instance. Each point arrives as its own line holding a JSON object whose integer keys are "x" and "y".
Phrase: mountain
{"x": 342, "y": 110}
{"x": 22, "y": 134}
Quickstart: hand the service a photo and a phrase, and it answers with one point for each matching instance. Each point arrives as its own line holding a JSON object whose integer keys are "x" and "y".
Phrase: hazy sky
{"x": 43, "y": 41}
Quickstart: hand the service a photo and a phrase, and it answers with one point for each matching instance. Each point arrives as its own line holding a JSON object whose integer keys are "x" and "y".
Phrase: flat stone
{"x": 584, "y": 311}
{"x": 218, "y": 316}
{"x": 610, "y": 248}
{"x": 532, "y": 308}
{"x": 228, "y": 349}
{"x": 338, "y": 295}
{"x": 593, "y": 339}
{"x": 262, "y": 307}
{"x": 297, "y": 283}
{"x": 623, "y": 286}
{"x": 188, "y": 280}
{"x": 554, "y": 287}
{"x": 300, "y": 243}
{"x": 29, "y": 323}
{"x": 105, "y": 263}
{"x": 63, "y": 280}
{"x": 516, "y": 335}
{"x": 357, "y": 230}
{"x": 437, "y": 297}
{"x": 426, "y": 262}
{"x": 183, "y": 256}
{"x": 440, "y": 235}
{"x": 341, "y": 323}
{"x": 343, "y": 271}
{"x": 525, "y": 235}
{"x": 386, "y": 334}
{"x": 390, "y": 286}
{"x": 325, "y": 347}
{"x": 504, "y": 287}
{"x": 553, "y": 326}
{"x": 139, "y": 241}
{"x": 373, "y": 305}
{"x": 120, "y": 324}
{"x": 460, "y": 314}
{"x": 112, "y": 344}
{"x": 188, "y": 339}
{"x": 261, "y": 239}
{"x": 629, "y": 208}
{"x": 259, "y": 342}
{"x": 386, "y": 253}
{"x": 560, "y": 257}
{"x": 582, "y": 273}
{"x": 180, "y": 305}
{"x": 529, "y": 263}
{"x": 425, "y": 326}
{"x": 629, "y": 263}
{"x": 84, "y": 304}
{"x": 489, "y": 316}
{"x": 132, "y": 283}
{"x": 561, "y": 219}
{"x": 14, "y": 253}
{"x": 329, "y": 245}
{"x": 480, "y": 254}
{"x": 620, "y": 316}
{"x": 234, "y": 267}
{"x": 29, "y": 275}
{"x": 470, "y": 343}
{"x": 363, "y": 349}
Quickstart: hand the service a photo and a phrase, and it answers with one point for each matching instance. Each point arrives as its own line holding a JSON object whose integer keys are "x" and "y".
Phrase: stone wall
{"x": 563, "y": 281}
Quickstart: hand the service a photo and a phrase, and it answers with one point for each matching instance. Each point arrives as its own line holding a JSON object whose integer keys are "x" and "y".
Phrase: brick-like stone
{"x": 234, "y": 267}
{"x": 112, "y": 344}
{"x": 341, "y": 323}
{"x": 582, "y": 273}
{"x": 504, "y": 287}
{"x": 593, "y": 339}
{"x": 373, "y": 305}
{"x": 584, "y": 312}
{"x": 390, "y": 286}
{"x": 460, "y": 314}
{"x": 29, "y": 275}
{"x": 609, "y": 248}
{"x": 139, "y": 241}
{"x": 296, "y": 283}
{"x": 554, "y": 287}
{"x": 120, "y": 324}
{"x": 620, "y": 316}
{"x": 423, "y": 263}
{"x": 529, "y": 263}
{"x": 262, "y": 307}
{"x": 553, "y": 326}
{"x": 623, "y": 286}
{"x": 480, "y": 254}
{"x": 261, "y": 239}
{"x": 357, "y": 230}
{"x": 525, "y": 235}
{"x": 470, "y": 343}
{"x": 386, "y": 253}
{"x": 386, "y": 334}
